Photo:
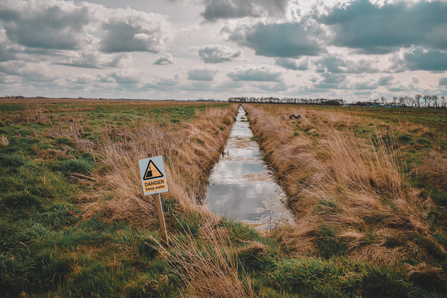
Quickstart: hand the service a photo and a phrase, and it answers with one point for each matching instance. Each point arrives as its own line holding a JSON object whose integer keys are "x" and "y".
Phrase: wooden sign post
{"x": 153, "y": 178}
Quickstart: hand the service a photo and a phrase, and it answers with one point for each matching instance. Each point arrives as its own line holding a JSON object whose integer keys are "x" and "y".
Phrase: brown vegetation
{"x": 189, "y": 155}
{"x": 346, "y": 189}
{"x": 434, "y": 168}
{"x": 209, "y": 269}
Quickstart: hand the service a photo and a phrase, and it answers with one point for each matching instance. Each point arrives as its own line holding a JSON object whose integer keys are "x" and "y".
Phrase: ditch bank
{"x": 189, "y": 151}
{"x": 347, "y": 194}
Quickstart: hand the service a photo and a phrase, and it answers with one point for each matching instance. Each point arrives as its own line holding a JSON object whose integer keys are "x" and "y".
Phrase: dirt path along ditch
{"x": 241, "y": 185}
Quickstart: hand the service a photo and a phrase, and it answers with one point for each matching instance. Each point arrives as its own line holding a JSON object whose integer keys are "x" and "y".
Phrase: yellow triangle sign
{"x": 152, "y": 171}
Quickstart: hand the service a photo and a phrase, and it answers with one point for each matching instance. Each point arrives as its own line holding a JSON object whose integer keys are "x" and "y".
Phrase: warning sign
{"x": 153, "y": 175}
{"x": 152, "y": 171}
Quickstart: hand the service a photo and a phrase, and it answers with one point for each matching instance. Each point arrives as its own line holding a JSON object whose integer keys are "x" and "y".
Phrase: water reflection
{"x": 241, "y": 185}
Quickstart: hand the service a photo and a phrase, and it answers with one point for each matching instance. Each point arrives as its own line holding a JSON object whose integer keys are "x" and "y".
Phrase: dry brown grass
{"x": 345, "y": 181}
{"x": 434, "y": 168}
{"x": 4, "y": 141}
{"x": 188, "y": 162}
{"x": 32, "y": 112}
{"x": 209, "y": 269}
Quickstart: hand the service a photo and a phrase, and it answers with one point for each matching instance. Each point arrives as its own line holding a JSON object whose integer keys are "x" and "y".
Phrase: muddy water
{"x": 241, "y": 186}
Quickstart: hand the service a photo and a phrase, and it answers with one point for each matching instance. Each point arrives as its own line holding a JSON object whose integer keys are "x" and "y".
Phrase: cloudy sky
{"x": 190, "y": 49}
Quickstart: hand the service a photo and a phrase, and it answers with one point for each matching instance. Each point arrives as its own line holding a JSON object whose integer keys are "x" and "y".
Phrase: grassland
{"x": 74, "y": 222}
{"x": 365, "y": 184}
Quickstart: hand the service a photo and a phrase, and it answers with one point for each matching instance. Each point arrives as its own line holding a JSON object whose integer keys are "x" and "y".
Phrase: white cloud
{"x": 202, "y": 73}
{"x": 35, "y": 72}
{"x": 128, "y": 30}
{"x": 217, "y": 53}
{"x": 165, "y": 59}
{"x": 49, "y": 25}
{"x": 338, "y": 63}
{"x": 127, "y": 76}
{"x": 259, "y": 73}
{"x": 94, "y": 59}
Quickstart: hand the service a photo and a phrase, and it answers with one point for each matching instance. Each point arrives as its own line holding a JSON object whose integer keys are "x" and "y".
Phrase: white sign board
{"x": 153, "y": 176}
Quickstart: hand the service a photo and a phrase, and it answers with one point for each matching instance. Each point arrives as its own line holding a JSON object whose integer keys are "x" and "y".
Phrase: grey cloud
{"x": 62, "y": 26}
{"x": 385, "y": 80}
{"x": 292, "y": 63}
{"x": 52, "y": 25}
{"x": 377, "y": 30}
{"x": 165, "y": 59}
{"x": 129, "y": 31}
{"x": 126, "y": 76}
{"x": 217, "y": 53}
{"x": 336, "y": 63}
{"x": 197, "y": 86}
{"x": 432, "y": 60}
{"x": 397, "y": 88}
{"x": 443, "y": 81}
{"x": 415, "y": 80}
{"x": 202, "y": 73}
{"x": 97, "y": 60}
{"x": 263, "y": 73}
{"x": 232, "y": 9}
{"x": 5, "y": 55}
{"x": 104, "y": 79}
{"x": 6, "y": 80}
{"x": 34, "y": 72}
{"x": 281, "y": 86}
{"x": 84, "y": 79}
{"x": 230, "y": 85}
{"x": 330, "y": 81}
{"x": 366, "y": 85}
{"x": 163, "y": 83}
{"x": 286, "y": 40}
{"x": 398, "y": 64}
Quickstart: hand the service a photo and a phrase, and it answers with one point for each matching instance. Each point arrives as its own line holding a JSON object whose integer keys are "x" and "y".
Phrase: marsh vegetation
{"x": 368, "y": 191}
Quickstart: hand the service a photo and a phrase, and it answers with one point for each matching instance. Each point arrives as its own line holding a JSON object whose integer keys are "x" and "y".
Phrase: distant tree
{"x": 395, "y": 100}
{"x": 383, "y": 100}
{"x": 426, "y": 97}
{"x": 443, "y": 101}
{"x": 435, "y": 98}
{"x": 418, "y": 100}
{"x": 401, "y": 101}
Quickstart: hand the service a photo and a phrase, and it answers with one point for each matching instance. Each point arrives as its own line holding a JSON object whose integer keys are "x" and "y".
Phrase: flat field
{"x": 366, "y": 186}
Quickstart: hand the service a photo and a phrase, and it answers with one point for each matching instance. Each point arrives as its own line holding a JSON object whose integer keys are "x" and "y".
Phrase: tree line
{"x": 418, "y": 101}
{"x": 287, "y": 100}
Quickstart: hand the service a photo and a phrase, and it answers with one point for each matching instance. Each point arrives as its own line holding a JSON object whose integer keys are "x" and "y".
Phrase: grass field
{"x": 74, "y": 222}
{"x": 365, "y": 184}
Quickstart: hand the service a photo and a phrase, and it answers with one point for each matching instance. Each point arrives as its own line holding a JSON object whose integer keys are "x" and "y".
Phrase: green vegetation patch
{"x": 327, "y": 243}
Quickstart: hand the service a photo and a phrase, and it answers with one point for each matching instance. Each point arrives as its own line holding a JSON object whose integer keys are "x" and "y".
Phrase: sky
{"x": 191, "y": 49}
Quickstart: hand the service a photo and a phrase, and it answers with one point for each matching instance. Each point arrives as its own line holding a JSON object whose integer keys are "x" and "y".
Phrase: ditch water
{"x": 241, "y": 185}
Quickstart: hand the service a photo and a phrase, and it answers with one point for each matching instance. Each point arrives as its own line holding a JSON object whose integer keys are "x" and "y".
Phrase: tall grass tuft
{"x": 209, "y": 268}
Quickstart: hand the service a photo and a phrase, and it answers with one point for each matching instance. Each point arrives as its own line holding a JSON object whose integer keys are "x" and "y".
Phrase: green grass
{"x": 47, "y": 250}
